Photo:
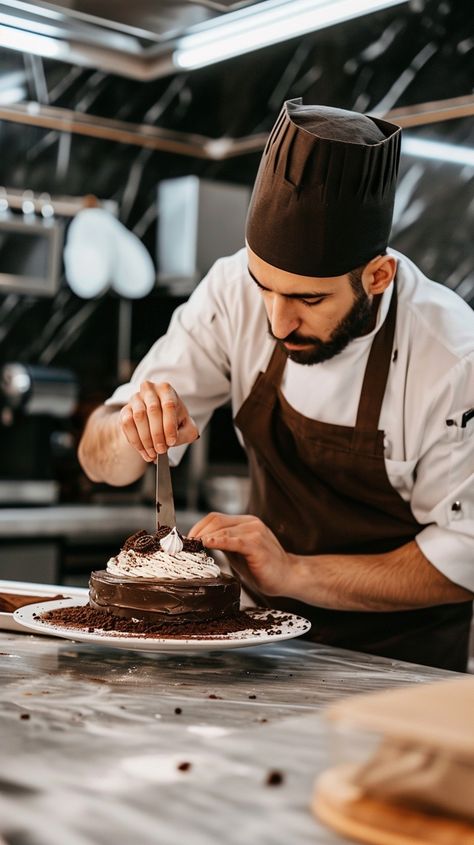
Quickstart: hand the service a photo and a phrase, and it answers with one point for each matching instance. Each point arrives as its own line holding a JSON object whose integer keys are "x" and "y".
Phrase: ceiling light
{"x": 269, "y": 23}
{"x": 423, "y": 148}
{"x": 12, "y": 95}
{"x": 29, "y": 42}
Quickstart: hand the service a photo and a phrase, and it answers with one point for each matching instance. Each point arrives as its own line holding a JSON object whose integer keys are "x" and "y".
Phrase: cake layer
{"x": 208, "y": 598}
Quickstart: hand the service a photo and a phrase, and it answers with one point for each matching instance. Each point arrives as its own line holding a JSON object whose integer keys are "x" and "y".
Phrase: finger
{"x": 155, "y": 417}
{"x": 140, "y": 418}
{"x": 232, "y": 540}
{"x": 215, "y": 520}
{"x": 169, "y": 401}
{"x": 130, "y": 431}
{"x": 203, "y": 523}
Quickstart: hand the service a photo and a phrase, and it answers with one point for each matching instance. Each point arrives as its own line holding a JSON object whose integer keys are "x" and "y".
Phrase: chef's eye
{"x": 310, "y": 302}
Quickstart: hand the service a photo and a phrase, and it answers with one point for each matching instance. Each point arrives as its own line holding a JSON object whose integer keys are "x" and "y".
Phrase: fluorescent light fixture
{"x": 424, "y": 148}
{"x": 23, "y": 24}
{"x": 29, "y": 42}
{"x": 12, "y": 95}
{"x": 267, "y": 23}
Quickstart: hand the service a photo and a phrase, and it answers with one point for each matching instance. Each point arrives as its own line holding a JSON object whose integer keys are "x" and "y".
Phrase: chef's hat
{"x": 323, "y": 199}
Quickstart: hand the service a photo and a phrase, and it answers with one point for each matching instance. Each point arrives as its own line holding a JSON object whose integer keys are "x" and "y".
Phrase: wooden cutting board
{"x": 381, "y": 823}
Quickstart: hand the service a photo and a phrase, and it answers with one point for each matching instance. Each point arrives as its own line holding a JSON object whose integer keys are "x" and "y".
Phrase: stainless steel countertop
{"x": 96, "y": 761}
{"x": 83, "y": 522}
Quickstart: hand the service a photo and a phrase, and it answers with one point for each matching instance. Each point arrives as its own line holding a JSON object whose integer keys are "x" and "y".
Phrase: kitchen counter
{"x": 92, "y": 739}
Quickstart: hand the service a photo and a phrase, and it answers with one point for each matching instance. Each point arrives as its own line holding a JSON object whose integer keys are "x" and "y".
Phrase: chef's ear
{"x": 379, "y": 273}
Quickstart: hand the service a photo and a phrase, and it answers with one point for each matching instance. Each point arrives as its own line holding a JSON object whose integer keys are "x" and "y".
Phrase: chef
{"x": 351, "y": 377}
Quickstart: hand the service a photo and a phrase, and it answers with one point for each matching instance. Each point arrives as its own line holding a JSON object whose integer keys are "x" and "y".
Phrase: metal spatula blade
{"x": 165, "y": 513}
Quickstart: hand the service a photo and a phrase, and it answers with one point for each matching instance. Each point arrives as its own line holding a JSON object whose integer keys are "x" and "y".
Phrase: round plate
{"x": 294, "y": 626}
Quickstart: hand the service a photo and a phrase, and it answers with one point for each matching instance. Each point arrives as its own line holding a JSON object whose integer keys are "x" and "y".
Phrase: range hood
{"x": 146, "y": 39}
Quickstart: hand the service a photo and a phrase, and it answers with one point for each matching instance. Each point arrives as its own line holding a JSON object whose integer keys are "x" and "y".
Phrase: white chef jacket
{"x": 218, "y": 342}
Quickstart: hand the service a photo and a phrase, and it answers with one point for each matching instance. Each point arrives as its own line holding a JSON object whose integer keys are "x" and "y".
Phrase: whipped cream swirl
{"x": 172, "y": 543}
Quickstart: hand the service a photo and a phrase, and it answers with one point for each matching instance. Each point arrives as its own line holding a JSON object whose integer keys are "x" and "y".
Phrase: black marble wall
{"x": 421, "y": 51}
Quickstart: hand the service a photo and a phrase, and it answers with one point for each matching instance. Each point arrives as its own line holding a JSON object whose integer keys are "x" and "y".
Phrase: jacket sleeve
{"x": 443, "y": 493}
{"x": 193, "y": 355}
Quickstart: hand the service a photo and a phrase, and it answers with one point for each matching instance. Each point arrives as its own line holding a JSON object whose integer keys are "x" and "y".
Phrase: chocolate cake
{"x": 164, "y": 585}
{"x": 145, "y": 582}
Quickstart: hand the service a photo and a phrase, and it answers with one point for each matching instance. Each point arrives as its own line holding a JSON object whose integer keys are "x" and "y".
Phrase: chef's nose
{"x": 283, "y": 318}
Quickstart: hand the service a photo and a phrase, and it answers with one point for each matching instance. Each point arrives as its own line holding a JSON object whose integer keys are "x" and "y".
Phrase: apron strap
{"x": 376, "y": 374}
{"x": 276, "y": 365}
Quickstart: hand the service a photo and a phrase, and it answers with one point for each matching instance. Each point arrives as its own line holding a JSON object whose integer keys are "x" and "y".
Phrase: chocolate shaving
{"x": 144, "y": 543}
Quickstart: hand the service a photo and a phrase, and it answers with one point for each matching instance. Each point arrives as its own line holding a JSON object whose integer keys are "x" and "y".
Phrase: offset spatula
{"x": 165, "y": 514}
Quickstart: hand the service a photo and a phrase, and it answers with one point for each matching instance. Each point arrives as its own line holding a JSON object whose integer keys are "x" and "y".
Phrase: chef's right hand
{"x": 156, "y": 418}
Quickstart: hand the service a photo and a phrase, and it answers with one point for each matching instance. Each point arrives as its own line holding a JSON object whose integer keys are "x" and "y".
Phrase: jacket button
{"x": 456, "y": 506}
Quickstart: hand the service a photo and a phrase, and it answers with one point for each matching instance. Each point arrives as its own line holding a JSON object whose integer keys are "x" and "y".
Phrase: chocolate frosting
{"x": 210, "y": 598}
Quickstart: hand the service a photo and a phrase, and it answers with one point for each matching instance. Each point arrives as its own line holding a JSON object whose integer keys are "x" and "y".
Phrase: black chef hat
{"x": 323, "y": 199}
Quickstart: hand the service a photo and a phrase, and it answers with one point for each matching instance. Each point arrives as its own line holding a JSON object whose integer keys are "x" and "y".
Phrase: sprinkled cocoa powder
{"x": 89, "y": 619}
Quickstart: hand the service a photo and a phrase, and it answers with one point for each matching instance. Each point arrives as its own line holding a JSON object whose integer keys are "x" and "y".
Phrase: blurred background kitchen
{"x": 154, "y": 114}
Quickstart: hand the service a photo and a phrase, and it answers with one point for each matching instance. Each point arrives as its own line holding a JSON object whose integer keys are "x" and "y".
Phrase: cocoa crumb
{"x": 86, "y": 618}
{"x": 252, "y": 696}
{"x": 215, "y": 697}
{"x": 178, "y": 711}
{"x": 184, "y": 767}
{"x": 25, "y": 716}
{"x": 274, "y": 778}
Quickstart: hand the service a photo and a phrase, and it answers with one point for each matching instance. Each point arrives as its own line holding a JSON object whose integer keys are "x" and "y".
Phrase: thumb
{"x": 187, "y": 430}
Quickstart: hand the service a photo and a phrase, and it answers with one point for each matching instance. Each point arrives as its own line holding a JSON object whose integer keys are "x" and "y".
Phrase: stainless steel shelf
{"x": 83, "y": 523}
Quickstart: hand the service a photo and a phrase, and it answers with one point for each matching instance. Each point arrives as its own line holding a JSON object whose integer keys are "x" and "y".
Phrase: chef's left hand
{"x": 249, "y": 538}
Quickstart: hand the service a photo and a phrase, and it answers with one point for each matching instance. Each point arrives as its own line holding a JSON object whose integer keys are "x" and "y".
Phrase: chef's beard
{"x": 358, "y": 321}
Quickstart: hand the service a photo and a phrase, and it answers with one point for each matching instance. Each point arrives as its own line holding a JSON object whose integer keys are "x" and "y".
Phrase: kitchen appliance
{"x": 30, "y": 253}
{"x": 35, "y": 403}
{"x": 227, "y": 493}
{"x": 199, "y": 221}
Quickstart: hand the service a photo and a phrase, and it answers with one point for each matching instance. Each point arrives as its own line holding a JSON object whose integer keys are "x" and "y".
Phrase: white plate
{"x": 241, "y": 639}
{"x": 30, "y": 588}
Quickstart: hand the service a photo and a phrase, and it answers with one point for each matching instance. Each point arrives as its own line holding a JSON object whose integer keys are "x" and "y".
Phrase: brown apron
{"x": 324, "y": 489}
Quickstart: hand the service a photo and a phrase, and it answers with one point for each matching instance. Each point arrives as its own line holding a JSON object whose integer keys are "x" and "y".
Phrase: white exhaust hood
{"x": 146, "y": 39}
